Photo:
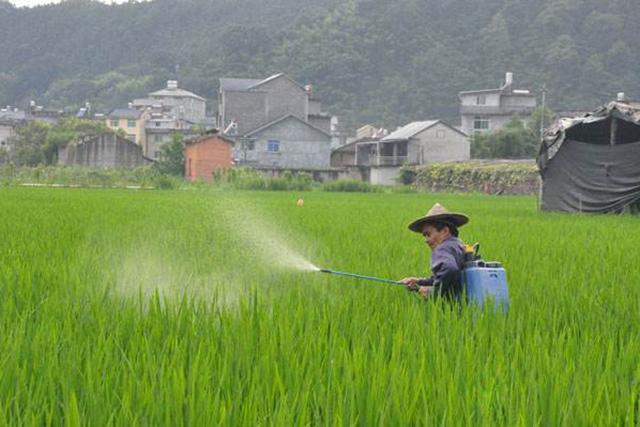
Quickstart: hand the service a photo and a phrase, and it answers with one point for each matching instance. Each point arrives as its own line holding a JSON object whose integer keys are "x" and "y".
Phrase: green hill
{"x": 369, "y": 60}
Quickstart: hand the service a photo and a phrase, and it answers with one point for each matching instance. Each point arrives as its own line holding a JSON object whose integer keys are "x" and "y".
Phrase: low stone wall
{"x": 106, "y": 150}
{"x": 486, "y": 176}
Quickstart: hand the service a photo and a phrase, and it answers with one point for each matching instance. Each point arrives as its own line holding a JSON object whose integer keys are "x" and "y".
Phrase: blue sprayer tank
{"x": 484, "y": 281}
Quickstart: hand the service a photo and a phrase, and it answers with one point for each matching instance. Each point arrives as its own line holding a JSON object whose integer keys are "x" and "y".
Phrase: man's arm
{"x": 415, "y": 283}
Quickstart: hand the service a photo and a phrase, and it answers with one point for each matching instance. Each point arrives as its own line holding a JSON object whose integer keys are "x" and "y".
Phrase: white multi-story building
{"x": 489, "y": 109}
{"x": 176, "y": 102}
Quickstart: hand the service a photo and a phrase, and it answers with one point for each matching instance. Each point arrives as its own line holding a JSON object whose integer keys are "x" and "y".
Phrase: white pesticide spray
{"x": 257, "y": 234}
{"x": 144, "y": 271}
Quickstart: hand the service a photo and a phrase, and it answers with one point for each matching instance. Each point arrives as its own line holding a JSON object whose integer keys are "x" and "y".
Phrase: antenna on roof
{"x": 232, "y": 129}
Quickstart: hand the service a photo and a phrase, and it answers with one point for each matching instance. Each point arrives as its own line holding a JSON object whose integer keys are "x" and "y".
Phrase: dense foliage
{"x": 495, "y": 177}
{"x": 171, "y": 160}
{"x": 370, "y": 60}
{"x": 513, "y": 141}
{"x": 173, "y": 308}
{"x": 37, "y": 142}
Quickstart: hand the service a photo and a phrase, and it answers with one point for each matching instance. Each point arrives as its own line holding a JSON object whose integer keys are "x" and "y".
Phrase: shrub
{"x": 244, "y": 178}
{"x": 517, "y": 177}
{"x": 350, "y": 185}
{"x": 407, "y": 175}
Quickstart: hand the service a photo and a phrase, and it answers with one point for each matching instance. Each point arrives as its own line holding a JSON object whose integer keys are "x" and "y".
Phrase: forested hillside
{"x": 369, "y": 60}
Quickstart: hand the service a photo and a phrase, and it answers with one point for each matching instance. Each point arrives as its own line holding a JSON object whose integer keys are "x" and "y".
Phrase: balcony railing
{"x": 382, "y": 160}
{"x": 493, "y": 110}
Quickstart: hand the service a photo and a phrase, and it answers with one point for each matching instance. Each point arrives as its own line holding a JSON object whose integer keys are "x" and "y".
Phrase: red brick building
{"x": 204, "y": 154}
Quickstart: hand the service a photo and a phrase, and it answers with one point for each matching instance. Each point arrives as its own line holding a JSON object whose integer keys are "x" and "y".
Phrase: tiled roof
{"x": 124, "y": 113}
{"x": 237, "y": 84}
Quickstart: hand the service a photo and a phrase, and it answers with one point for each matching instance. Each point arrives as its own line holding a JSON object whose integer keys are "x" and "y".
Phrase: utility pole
{"x": 543, "y": 109}
{"x": 542, "y": 112}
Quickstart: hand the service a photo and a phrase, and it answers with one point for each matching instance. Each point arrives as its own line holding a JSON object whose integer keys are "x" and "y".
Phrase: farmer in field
{"x": 440, "y": 230}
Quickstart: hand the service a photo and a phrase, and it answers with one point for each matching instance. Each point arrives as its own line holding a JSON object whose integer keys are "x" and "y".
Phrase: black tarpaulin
{"x": 592, "y": 163}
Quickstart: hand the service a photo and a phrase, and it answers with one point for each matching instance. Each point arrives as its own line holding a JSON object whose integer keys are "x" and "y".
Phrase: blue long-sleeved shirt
{"x": 447, "y": 261}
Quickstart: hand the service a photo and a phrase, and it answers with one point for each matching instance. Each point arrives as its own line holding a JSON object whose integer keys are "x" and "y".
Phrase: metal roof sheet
{"x": 409, "y": 130}
{"x": 176, "y": 93}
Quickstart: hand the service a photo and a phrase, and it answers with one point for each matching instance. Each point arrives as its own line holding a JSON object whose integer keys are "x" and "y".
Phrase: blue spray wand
{"x": 359, "y": 276}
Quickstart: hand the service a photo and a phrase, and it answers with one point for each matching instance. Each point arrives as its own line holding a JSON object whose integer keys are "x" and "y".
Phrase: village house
{"x": 285, "y": 143}
{"x": 10, "y": 118}
{"x": 205, "y": 154}
{"x": 106, "y": 150}
{"x": 277, "y": 123}
{"x": 131, "y": 122}
{"x": 489, "y": 109}
{"x": 418, "y": 143}
{"x": 345, "y": 155}
{"x": 160, "y": 128}
{"x": 175, "y": 102}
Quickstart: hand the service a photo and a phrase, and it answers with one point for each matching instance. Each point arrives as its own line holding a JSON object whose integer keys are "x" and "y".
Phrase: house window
{"x": 131, "y": 123}
{"x": 114, "y": 123}
{"x": 273, "y": 146}
{"x": 156, "y": 154}
{"x": 480, "y": 123}
{"x": 131, "y": 137}
{"x": 157, "y": 124}
{"x": 481, "y": 100}
{"x": 157, "y": 138}
{"x": 440, "y": 133}
{"x": 248, "y": 145}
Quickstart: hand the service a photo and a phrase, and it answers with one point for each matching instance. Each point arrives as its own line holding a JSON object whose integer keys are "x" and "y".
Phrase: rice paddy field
{"x": 202, "y": 308}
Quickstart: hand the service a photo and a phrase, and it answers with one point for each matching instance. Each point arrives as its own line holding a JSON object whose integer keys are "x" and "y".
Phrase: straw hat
{"x": 439, "y": 213}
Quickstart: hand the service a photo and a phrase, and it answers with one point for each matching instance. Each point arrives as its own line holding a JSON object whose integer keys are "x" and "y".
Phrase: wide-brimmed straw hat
{"x": 439, "y": 213}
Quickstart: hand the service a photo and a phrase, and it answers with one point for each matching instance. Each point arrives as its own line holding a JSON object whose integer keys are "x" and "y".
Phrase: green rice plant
{"x": 185, "y": 308}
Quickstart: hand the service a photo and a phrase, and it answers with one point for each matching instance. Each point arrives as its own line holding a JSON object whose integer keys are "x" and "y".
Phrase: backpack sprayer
{"x": 483, "y": 280}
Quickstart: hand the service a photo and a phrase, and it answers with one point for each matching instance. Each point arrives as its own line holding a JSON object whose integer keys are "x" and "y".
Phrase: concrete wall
{"x": 519, "y": 101}
{"x": 384, "y": 175}
{"x": 301, "y": 146}
{"x": 315, "y": 106}
{"x": 205, "y": 156}
{"x": 439, "y": 143}
{"x": 343, "y": 158}
{"x": 248, "y": 108}
{"x": 321, "y": 122}
{"x": 491, "y": 99}
{"x": 499, "y": 109}
{"x": 6, "y": 132}
{"x": 107, "y": 150}
{"x": 285, "y": 97}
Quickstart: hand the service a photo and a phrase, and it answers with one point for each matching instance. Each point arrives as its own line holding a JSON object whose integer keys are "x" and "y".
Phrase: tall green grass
{"x": 156, "y": 308}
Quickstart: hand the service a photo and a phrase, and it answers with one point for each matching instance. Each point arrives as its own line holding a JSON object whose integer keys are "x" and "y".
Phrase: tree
{"x": 172, "y": 156}
{"x": 28, "y": 144}
{"x": 540, "y": 115}
{"x": 37, "y": 142}
{"x": 513, "y": 141}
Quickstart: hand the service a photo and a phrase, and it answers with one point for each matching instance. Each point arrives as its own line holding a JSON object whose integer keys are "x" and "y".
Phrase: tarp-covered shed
{"x": 592, "y": 163}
